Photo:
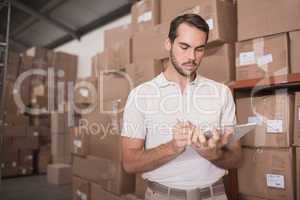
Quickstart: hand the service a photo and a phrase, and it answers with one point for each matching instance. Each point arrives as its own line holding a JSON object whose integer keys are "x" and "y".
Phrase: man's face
{"x": 187, "y": 50}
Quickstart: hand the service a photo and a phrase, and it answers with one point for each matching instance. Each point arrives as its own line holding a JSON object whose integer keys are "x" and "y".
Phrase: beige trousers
{"x": 152, "y": 195}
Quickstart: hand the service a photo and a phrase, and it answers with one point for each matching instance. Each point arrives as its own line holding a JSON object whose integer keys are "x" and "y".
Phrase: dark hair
{"x": 191, "y": 19}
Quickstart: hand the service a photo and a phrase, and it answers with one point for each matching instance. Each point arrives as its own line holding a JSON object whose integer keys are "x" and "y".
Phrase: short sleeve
{"x": 228, "y": 111}
{"x": 133, "y": 118}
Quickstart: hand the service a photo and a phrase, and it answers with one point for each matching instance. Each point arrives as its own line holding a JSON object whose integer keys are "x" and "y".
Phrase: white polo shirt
{"x": 154, "y": 107}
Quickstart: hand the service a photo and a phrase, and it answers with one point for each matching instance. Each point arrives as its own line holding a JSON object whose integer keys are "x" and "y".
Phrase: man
{"x": 166, "y": 121}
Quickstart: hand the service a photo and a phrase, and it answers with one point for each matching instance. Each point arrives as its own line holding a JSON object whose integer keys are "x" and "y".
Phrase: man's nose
{"x": 191, "y": 55}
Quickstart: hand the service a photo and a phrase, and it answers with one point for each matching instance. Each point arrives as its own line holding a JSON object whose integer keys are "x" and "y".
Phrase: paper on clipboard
{"x": 240, "y": 131}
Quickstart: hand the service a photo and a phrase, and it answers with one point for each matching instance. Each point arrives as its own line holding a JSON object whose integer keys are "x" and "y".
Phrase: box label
{"x": 147, "y": 16}
{"x": 274, "y": 126}
{"x": 210, "y": 23}
{"x": 84, "y": 92}
{"x": 82, "y": 195}
{"x": 247, "y": 58}
{"x": 24, "y": 171}
{"x": 35, "y": 134}
{"x": 264, "y": 60}
{"x": 77, "y": 143}
{"x": 275, "y": 181}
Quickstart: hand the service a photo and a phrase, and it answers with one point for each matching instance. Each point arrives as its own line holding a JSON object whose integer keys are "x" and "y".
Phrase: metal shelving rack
{"x": 4, "y": 45}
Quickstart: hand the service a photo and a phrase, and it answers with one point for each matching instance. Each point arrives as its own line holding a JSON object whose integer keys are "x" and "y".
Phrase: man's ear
{"x": 168, "y": 44}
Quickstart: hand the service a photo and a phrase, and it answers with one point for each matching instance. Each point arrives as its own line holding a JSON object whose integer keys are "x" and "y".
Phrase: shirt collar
{"x": 163, "y": 82}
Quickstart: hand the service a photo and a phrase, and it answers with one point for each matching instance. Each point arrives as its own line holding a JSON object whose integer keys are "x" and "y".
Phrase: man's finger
{"x": 195, "y": 135}
{"x": 202, "y": 140}
{"x": 215, "y": 136}
{"x": 226, "y": 136}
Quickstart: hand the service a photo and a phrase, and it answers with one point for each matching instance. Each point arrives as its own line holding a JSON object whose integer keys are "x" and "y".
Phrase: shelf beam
{"x": 274, "y": 81}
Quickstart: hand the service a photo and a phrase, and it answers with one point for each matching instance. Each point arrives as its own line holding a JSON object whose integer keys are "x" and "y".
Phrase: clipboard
{"x": 240, "y": 131}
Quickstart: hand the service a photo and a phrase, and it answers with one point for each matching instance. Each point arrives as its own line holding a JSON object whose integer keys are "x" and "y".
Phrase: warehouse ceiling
{"x": 50, "y": 23}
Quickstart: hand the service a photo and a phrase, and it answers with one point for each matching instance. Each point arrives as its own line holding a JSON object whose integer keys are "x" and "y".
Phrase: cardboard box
{"x": 66, "y": 63}
{"x": 262, "y": 57}
{"x": 114, "y": 57}
{"x": 145, "y": 14}
{"x": 274, "y": 117}
{"x": 26, "y": 157}
{"x": 281, "y": 16}
{"x": 141, "y": 72}
{"x": 43, "y": 159}
{"x": 12, "y": 93}
{"x": 103, "y": 131}
{"x": 25, "y": 170}
{"x": 59, "y": 123}
{"x": 25, "y": 63}
{"x": 247, "y": 197}
{"x": 86, "y": 91}
{"x": 97, "y": 192}
{"x": 131, "y": 197}
{"x": 80, "y": 142}
{"x": 41, "y": 53}
{"x": 267, "y": 173}
{"x": 13, "y": 65}
{"x": 40, "y": 120}
{"x": 219, "y": 15}
{"x": 294, "y": 51}
{"x": 21, "y": 142}
{"x": 61, "y": 148}
{"x": 296, "y": 130}
{"x": 14, "y": 131}
{"x": 114, "y": 86}
{"x": 38, "y": 131}
{"x": 81, "y": 189}
{"x": 118, "y": 35}
{"x": 59, "y": 174}
{"x": 9, "y": 162}
{"x": 154, "y": 40}
{"x": 218, "y": 63}
{"x": 107, "y": 173}
{"x": 140, "y": 186}
{"x": 9, "y": 170}
{"x": 298, "y": 172}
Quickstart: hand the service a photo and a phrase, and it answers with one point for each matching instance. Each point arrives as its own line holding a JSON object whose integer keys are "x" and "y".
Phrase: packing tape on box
{"x": 260, "y": 119}
{"x": 256, "y": 154}
{"x": 262, "y": 60}
{"x": 193, "y": 10}
{"x": 81, "y": 195}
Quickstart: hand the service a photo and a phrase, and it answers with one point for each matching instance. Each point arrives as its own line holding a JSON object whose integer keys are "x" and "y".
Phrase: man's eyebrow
{"x": 185, "y": 44}
{"x": 182, "y": 43}
{"x": 200, "y": 46}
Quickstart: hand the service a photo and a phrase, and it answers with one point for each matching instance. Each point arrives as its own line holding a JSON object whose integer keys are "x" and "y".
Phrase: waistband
{"x": 215, "y": 189}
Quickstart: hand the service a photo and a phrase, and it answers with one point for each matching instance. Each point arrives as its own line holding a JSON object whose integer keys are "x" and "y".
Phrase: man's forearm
{"x": 229, "y": 160}
{"x": 150, "y": 159}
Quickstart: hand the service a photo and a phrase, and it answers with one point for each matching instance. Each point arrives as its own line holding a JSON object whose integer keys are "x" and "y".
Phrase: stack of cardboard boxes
{"x": 134, "y": 54}
{"x": 18, "y": 145}
{"x": 268, "y": 42}
{"x": 27, "y": 122}
{"x": 218, "y": 62}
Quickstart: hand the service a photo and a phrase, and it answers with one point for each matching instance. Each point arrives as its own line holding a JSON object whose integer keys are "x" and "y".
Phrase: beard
{"x": 190, "y": 75}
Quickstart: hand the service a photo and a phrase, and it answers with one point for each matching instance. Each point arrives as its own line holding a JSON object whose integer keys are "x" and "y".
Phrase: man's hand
{"x": 210, "y": 148}
{"x": 182, "y": 136}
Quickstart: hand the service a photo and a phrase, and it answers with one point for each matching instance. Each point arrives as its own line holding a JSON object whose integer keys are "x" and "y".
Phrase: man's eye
{"x": 184, "y": 47}
{"x": 199, "y": 49}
